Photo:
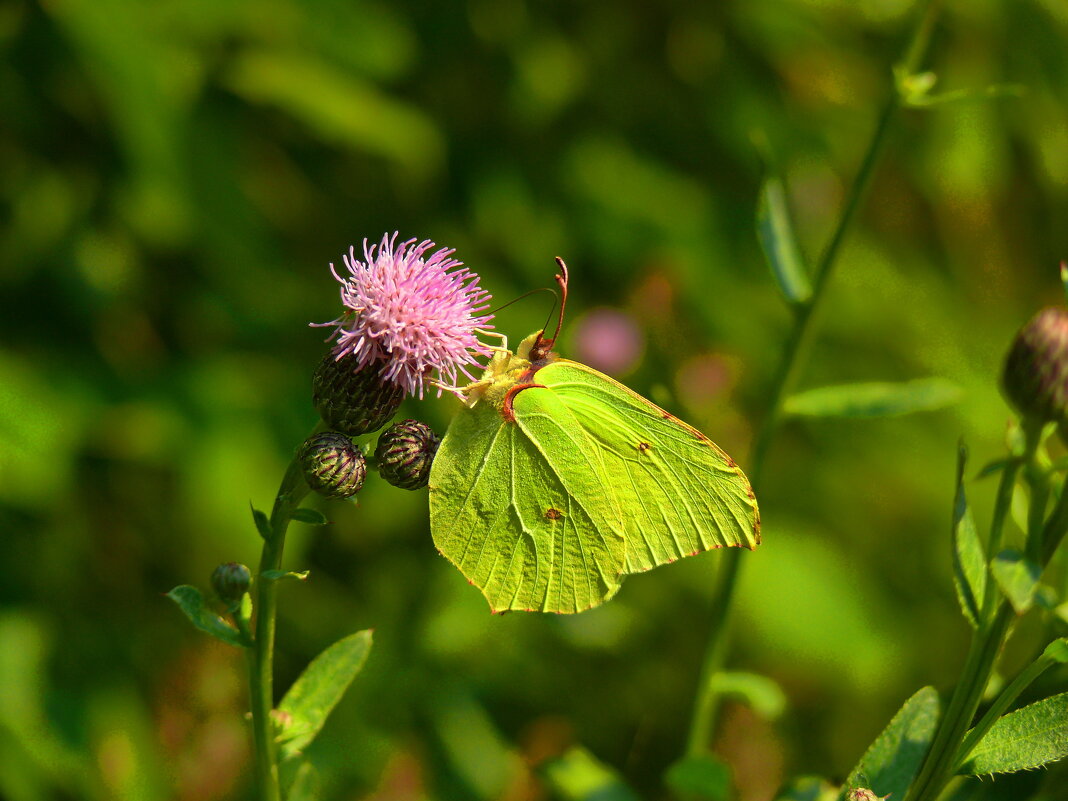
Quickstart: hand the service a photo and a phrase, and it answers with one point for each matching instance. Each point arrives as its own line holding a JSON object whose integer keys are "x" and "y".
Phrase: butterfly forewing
{"x": 680, "y": 494}
{"x": 521, "y": 507}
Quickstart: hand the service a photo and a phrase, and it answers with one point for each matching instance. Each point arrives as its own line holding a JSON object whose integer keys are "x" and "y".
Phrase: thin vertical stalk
{"x": 261, "y": 658}
{"x": 795, "y": 356}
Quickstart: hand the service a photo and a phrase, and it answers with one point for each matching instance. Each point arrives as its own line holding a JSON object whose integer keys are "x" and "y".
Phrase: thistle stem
{"x": 795, "y": 356}
{"x": 261, "y": 655}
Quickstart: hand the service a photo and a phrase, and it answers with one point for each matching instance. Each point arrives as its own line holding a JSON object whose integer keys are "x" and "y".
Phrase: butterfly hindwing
{"x": 521, "y": 507}
{"x": 680, "y": 493}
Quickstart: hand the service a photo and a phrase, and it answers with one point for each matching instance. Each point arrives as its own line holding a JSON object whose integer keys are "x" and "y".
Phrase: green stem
{"x": 706, "y": 704}
{"x": 261, "y": 658}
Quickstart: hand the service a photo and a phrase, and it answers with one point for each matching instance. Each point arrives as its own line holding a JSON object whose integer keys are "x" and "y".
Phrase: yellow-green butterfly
{"x": 557, "y": 481}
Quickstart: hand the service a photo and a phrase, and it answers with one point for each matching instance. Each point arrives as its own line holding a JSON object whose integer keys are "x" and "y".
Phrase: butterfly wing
{"x": 522, "y": 507}
{"x": 679, "y": 492}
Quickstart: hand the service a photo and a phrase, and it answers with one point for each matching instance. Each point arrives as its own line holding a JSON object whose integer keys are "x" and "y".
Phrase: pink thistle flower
{"x": 412, "y": 313}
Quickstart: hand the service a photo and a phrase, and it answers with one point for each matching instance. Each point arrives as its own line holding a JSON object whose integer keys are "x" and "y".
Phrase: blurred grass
{"x": 176, "y": 177}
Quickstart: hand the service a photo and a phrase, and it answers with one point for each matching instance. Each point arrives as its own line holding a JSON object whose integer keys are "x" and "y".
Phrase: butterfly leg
{"x": 503, "y": 347}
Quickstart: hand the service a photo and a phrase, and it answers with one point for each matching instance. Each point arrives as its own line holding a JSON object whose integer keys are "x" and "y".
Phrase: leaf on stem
{"x": 776, "y": 234}
{"x": 306, "y": 785}
{"x": 191, "y": 602}
{"x": 263, "y": 525}
{"x": 318, "y": 689}
{"x": 877, "y": 399}
{"x": 893, "y": 760}
{"x": 578, "y": 775}
{"x": 1017, "y": 576}
{"x": 701, "y": 778}
{"x": 969, "y": 559}
{"x": 762, "y": 694}
{"x": 1027, "y": 738}
{"x": 277, "y": 575}
{"x": 808, "y": 788}
{"x": 310, "y": 516}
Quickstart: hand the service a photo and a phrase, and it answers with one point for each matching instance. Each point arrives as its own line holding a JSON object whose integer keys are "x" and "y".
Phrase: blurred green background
{"x": 175, "y": 177}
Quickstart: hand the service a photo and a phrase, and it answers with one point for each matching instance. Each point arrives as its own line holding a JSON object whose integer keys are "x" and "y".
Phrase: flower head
{"x": 412, "y": 312}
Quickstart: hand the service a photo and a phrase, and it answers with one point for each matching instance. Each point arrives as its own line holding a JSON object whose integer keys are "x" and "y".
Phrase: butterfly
{"x": 555, "y": 481}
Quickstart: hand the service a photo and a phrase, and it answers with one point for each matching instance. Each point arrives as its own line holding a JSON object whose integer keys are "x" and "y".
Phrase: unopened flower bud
{"x": 333, "y": 466}
{"x": 230, "y": 581}
{"x": 1035, "y": 379}
{"x": 863, "y": 794}
{"x": 405, "y": 452}
{"x": 351, "y": 399}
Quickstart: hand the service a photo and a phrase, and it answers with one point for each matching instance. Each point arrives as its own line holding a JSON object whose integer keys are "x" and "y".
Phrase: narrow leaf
{"x": 969, "y": 559}
{"x": 776, "y": 234}
{"x": 276, "y": 575}
{"x": 1017, "y": 576}
{"x": 995, "y": 466}
{"x": 306, "y": 784}
{"x": 808, "y": 788}
{"x": 763, "y": 695}
{"x": 263, "y": 525}
{"x": 191, "y": 602}
{"x": 1027, "y": 738}
{"x": 1057, "y": 650}
{"x": 893, "y": 760}
{"x": 578, "y": 775}
{"x": 702, "y": 778}
{"x": 317, "y": 691}
{"x": 874, "y": 399}
{"x": 310, "y": 516}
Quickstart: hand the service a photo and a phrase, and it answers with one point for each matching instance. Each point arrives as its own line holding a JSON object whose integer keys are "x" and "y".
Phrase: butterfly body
{"x": 557, "y": 481}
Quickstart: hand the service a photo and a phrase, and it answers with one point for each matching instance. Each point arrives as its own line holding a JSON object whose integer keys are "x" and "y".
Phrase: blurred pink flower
{"x": 610, "y": 341}
{"x": 413, "y": 313}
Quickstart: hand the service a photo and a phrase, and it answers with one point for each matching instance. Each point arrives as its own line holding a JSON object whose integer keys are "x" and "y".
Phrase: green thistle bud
{"x": 230, "y": 581}
{"x": 1035, "y": 379}
{"x": 405, "y": 452}
{"x": 351, "y": 400}
{"x": 333, "y": 466}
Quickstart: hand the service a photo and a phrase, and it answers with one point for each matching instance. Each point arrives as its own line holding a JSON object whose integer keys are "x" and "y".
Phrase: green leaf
{"x": 277, "y": 575}
{"x": 969, "y": 559}
{"x": 191, "y": 602}
{"x": 263, "y": 525}
{"x": 578, "y": 775}
{"x": 893, "y": 760}
{"x": 776, "y": 234}
{"x": 317, "y": 691}
{"x": 1027, "y": 738}
{"x": 1017, "y": 576}
{"x": 702, "y": 778}
{"x": 310, "y": 516}
{"x": 763, "y": 695}
{"x": 808, "y": 788}
{"x": 306, "y": 785}
{"x": 995, "y": 466}
{"x": 874, "y": 399}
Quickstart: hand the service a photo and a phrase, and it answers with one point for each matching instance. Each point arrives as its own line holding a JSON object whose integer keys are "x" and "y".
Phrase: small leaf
{"x": 305, "y": 785}
{"x": 969, "y": 560}
{"x": 808, "y": 788}
{"x": 997, "y": 90}
{"x": 1017, "y": 576}
{"x": 191, "y": 602}
{"x": 763, "y": 695}
{"x": 1027, "y": 738}
{"x": 893, "y": 760}
{"x": 263, "y": 525}
{"x": 702, "y": 778}
{"x": 310, "y": 516}
{"x": 776, "y": 235}
{"x": 578, "y": 775}
{"x": 874, "y": 399}
{"x": 318, "y": 689}
{"x": 996, "y": 466}
{"x": 277, "y": 575}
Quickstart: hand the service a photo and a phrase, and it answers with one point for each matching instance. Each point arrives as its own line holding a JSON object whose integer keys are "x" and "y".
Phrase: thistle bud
{"x": 333, "y": 466}
{"x": 1035, "y": 379}
{"x": 230, "y": 581}
{"x": 405, "y": 452}
{"x": 353, "y": 400}
{"x": 863, "y": 794}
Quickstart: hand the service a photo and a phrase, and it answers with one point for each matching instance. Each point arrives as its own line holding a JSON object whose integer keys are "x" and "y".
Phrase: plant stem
{"x": 706, "y": 704}
{"x": 261, "y": 656}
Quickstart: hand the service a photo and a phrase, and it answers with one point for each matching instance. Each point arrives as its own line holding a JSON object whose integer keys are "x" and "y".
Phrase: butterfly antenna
{"x": 561, "y": 279}
{"x": 525, "y": 295}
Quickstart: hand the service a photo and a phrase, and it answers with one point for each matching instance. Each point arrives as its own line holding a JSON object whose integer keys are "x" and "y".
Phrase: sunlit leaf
{"x": 762, "y": 694}
{"x": 276, "y": 575}
{"x": 1017, "y": 576}
{"x": 318, "y": 689}
{"x": 1027, "y": 738}
{"x": 578, "y": 775}
{"x": 701, "y": 778}
{"x": 191, "y": 602}
{"x": 776, "y": 234}
{"x": 969, "y": 558}
{"x": 874, "y": 399}
{"x": 306, "y": 785}
{"x": 808, "y": 788}
{"x": 893, "y": 760}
